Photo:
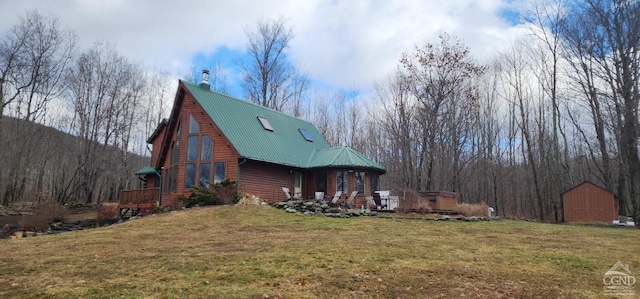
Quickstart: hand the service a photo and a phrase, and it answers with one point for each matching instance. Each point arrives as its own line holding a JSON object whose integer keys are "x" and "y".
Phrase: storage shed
{"x": 441, "y": 200}
{"x": 588, "y": 202}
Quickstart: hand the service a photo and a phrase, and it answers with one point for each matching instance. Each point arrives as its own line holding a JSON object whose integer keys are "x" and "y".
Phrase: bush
{"x": 42, "y": 216}
{"x": 104, "y": 212}
{"x": 147, "y": 211}
{"x": 227, "y": 191}
{"x": 221, "y": 193}
{"x": 468, "y": 209}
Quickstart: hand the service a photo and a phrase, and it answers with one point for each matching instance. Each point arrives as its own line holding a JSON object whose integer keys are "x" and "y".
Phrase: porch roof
{"x": 146, "y": 170}
{"x": 337, "y": 157}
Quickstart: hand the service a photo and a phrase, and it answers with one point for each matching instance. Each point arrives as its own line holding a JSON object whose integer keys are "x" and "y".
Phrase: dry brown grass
{"x": 468, "y": 209}
{"x": 107, "y": 212}
{"x": 260, "y": 252}
{"x": 43, "y": 215}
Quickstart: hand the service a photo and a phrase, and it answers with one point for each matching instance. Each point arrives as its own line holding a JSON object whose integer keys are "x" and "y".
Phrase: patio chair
{"x": 336, "y": 197}
{"x": 351, "y": 199}
{"x": 378, "y": 200}
{"x": 287, "y": 193}
{"x": 319, "y": 196}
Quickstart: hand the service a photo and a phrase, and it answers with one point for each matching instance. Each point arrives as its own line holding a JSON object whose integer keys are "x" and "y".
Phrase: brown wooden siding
{"x": 222, "y": 150}
{"x": 150, "y": 181}
{"x": 588, "y": 202}
{"x": 155, "y": 147}
{"x": 266, "y": 180}
{"x": 309, "y": 184}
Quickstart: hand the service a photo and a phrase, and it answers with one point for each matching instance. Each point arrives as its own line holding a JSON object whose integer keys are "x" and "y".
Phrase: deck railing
{"x": 139, "y": 197}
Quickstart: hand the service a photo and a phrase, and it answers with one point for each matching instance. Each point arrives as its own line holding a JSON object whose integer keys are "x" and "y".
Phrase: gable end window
{"x": 194, "y": 127}
{"x": 199, "y": 155}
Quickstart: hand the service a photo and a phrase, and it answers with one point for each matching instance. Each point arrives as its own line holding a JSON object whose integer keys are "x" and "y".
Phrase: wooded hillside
{"x": 41, "y": 163}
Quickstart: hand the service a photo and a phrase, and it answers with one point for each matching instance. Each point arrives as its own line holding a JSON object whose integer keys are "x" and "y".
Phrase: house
{"x": 210, "y": 137}
{"x": 588, "y": 202}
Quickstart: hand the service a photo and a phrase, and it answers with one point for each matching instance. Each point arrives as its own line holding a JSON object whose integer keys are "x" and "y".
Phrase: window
{"x": 205, "y": 174}
{"x": 360, "y": 182}
{"x": 342, "y": 181}
{"x": 196, "y": 172}
{"x": 189, "y": 175}
{"x": 172, "y": 172}
{"x": 321, "y": 181}
{"x": 265, "y": 123}
{"x": 297, "y": 185}
{"x": 306, "y": 135}
{"x": 194, "y": 128}
{"x": 206, "y": 150}
{"x": 374, "y": 178}
{"x": 192, "y": 148}
{"x": 220, "y": 172}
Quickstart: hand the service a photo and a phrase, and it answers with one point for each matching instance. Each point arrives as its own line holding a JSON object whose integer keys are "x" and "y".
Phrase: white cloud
{"x": 340, "y": 43}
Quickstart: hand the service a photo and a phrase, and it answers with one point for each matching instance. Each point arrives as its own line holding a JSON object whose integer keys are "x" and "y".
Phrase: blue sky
{"x": 339, "y": 44}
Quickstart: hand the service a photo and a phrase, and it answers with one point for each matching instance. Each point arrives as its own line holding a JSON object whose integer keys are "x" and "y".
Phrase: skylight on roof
{"x": 265, "y": 123}
{"x": 306, "y": 135}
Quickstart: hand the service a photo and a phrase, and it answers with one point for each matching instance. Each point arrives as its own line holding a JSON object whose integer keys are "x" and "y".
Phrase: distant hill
{"x": 38, "y": 163}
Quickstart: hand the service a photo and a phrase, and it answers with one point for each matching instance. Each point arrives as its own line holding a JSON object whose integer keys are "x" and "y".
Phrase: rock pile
{"x": 311, "y": 208}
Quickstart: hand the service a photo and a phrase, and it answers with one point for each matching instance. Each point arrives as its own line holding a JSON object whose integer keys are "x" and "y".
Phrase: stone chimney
{"x": 205, "y": 80}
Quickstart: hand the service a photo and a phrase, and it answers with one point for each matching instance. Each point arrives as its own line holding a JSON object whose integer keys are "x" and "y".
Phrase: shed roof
{"x": 587, "y": 182}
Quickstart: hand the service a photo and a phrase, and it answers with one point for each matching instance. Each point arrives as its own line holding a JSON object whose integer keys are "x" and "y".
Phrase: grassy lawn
{"x": 260, "y": 252}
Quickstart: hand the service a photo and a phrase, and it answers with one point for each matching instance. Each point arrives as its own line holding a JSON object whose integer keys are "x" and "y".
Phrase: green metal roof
{"x": 285, "y": 145}
{"x": 341, "y": 157}
{"x": 146, "y": 170}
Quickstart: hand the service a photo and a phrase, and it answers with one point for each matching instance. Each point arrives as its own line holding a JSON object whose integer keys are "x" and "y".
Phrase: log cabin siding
{"x": 155, "y": 146}
{"x": 265, "y": 180}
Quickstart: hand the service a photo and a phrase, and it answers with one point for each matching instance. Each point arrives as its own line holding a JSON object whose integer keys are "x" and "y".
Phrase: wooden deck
{"x": 130, "y": 202}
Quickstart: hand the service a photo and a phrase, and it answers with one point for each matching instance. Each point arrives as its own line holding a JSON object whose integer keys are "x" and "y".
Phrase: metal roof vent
{"x": 205, "y": 80}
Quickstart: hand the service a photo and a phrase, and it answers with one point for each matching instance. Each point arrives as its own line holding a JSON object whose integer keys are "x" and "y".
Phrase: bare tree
{"x": 612, "y": 38}
{"x": 34, "y": 55}
{"x": 104, "y": 92}
{"x": 439, "y": 76}
{"x": 545, "y": 18}
{"x": 270, "y": 79}
{"x": 399, "y": 128}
